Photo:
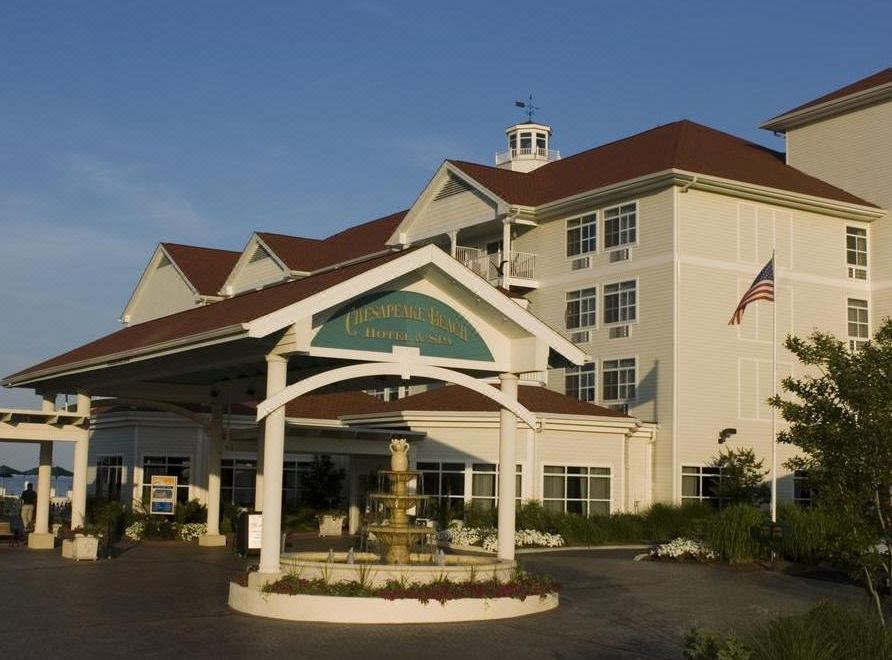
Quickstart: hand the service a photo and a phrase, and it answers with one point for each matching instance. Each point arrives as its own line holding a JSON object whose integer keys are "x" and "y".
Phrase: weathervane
{"x": 528, "y": 106}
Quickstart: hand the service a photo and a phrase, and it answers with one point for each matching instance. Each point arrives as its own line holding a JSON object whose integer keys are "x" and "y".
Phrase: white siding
{"x": 164, "y": 292}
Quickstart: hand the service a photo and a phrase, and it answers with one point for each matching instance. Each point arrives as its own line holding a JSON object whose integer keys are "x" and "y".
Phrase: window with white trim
{"x": 579, "y": 382}
{"x": 576, "y": 489}
{"x": 109, "y": 477}
{"x": 293, "y": 479}
{"x": 803, "y": 493}
{"x": 858, "y": 323}
{"x": 443, "y": 482}
{"x": 700, "y": 484}
{"x": 485, "y": 484}
{"x": 237, "y": 481}
{"x": 582, "y": 308}
{"x": 621, "y": 302}
{"x": 171, "y": 466}
{"x": 582, "y": 235}
{"x": 620, "y": 226}
{"x": 856, "y": 252}
{"x": 618, "y": 382}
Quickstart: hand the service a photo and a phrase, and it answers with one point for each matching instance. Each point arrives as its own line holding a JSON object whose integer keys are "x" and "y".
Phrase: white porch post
{"x": 507, "y": 461}
{"x": 453, "y": 244}
{"x": 40, "y": 538}
{"x": 506, "y": 255}
{"x": 79, "y": 481}
{"x": 273, "y": 459}
{"x": 258, "y": 478}
{"x": 214, "y": 459}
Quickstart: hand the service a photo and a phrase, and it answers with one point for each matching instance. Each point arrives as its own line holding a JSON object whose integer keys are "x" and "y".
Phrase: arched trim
{"x": 393, "y": 369}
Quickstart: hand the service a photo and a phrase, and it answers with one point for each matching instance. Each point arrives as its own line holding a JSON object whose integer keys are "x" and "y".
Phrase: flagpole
{"x": 774, "y": 393}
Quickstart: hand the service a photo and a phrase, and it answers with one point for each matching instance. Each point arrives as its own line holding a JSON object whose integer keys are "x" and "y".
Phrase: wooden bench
{"x": 6, "y": 532}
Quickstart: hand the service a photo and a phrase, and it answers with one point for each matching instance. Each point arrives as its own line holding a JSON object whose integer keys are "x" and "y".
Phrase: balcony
{"x": 523, "y": 153}
{"x": 519, "y": 267}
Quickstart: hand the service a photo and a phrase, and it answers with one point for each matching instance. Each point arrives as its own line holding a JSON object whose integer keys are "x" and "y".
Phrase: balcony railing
{"x": 516, "y": 265}
{"x": 527, "y": 152}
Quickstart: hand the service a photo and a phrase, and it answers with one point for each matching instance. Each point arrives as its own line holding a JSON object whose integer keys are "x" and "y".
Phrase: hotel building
{"x": 634, "y": 253}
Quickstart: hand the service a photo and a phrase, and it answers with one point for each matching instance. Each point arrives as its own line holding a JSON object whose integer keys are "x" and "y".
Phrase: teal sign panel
{"x": 382, "y": 320}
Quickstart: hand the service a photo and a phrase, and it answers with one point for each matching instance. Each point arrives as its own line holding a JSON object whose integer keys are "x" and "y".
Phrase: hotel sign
{"x": 382, "y": 320}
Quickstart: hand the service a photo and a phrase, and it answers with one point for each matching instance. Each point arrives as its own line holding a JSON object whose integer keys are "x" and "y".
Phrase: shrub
{"x": 192, "y": 511}
{"x": 476, "y": 515}
{"x": 624, "y": 528}
{"x": 663, "y": 522}
{"x": 828, "y": 632}
{"x": 808, "y": 534}
{"x": 731, "y": 533}
{"x": 743, "y": 478}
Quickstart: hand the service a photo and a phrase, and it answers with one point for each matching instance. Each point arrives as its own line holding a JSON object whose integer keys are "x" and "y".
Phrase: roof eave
{"x": 812, "y": 113}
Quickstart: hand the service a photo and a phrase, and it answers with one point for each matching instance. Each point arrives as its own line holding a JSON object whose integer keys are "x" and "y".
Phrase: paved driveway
{"x": 169, "y": 600}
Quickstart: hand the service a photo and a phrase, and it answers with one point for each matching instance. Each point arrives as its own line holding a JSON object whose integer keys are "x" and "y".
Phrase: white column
{"x": 506, "y": 255}
{"x": 79, "y": 481}
{"x": 507, "y": 462}
{"x": 44, "y": 476}
{"x": 453, "y": 243}
{"x": 214, "y": 450}
{"x": 273, "y": 459}
{"x": 258, "y": 479}
{"x": 353, "y": 498}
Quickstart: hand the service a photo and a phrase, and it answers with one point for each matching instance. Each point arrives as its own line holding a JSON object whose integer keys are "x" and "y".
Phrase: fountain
{"x": 398, "y": 535}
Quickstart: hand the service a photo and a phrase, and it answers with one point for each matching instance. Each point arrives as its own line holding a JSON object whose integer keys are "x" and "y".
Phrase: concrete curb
{"x": 340, "y": 609}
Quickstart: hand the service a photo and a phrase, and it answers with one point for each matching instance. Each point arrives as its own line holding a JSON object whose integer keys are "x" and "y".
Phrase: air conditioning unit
{"x": 619, "y": 331}
{"x": 857, "y": 273}
{"x": 579, "y": 264}
{"x": 580, "y": 337}
{"x": 619, "y": 255}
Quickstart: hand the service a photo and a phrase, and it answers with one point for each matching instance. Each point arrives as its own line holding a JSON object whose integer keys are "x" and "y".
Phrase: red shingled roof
{"x": 331, "y": 405}
{"x": 883, "y": 77}
{"x": 534, "y": 398}
{"x": 681, "y": 145}
{"x": 198, "y": 320}
{"x": 205, "y": 268}
{"x": 309, "y": 254}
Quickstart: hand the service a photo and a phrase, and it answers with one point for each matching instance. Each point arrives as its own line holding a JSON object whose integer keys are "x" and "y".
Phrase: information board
{"x": 163, "y": 497}
{"x": 255, "y": 531}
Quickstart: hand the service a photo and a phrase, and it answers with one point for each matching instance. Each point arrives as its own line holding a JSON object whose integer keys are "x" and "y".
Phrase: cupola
{"x": 528, "y": 147}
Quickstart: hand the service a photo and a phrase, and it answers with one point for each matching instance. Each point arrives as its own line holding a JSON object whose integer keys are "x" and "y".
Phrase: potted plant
{"x": 81, "y": 543}
{"x": 331, "y": 523}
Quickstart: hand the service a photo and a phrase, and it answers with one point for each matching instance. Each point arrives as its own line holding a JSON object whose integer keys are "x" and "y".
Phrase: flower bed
{"x": 488, "y": 537}
{"x": 682, "y": 549}
{"x": 184, "y": 532}
{"x": 521, "y": 587}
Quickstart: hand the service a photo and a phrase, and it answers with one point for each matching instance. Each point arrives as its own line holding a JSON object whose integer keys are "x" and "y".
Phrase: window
{"x": 484, "y": 484}
{"x": 444, "y": 483}
{"x": 582, "y": 235}
{"x": 171, "y": 466}
{"x": 856, "y": 252}
{"x": 109, "y": 477}
{"x": 582, "y": 490}
{"x": 526, "y": 143}
{"x": 618, "y": 380}
{"x": 237, "y": 481}
{"x": 389, "y": 393}
{"x": 700, "y": 484}
{"x": 803, "y": 493}
{"x": 540, "y": 144}
{"x": 581, "y": 308}
{"x": 859, "y": 328}
{"x": 620, "y": 304}
{"x": 620, "y": 225}
{"x": 293, "y": 480}
{"x": 579, "y": 382}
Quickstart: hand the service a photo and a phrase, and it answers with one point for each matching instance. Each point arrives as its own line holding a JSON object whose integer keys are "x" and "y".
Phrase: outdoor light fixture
{"x": 724, "y": 434}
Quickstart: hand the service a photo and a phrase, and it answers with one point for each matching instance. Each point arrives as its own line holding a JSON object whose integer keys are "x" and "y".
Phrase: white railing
{"x": 527, "y": 152}
{"x": 517, "y": 265}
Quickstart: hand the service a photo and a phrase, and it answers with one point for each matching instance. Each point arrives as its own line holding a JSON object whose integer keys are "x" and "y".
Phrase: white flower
{"x": 682, "y": 548}
{"x": 488, "y": 537}
{"x": 136, "y": 531}
{"x": 191, "y": 531}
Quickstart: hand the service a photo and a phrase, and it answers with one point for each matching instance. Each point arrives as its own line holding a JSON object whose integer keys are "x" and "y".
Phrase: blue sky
{"x": 126, "y": 123}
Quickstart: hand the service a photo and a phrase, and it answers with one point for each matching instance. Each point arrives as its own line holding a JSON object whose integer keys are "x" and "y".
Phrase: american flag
{"x": 762, "y": 288}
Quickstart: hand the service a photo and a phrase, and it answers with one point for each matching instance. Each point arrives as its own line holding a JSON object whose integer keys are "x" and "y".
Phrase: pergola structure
{"x": 45, "y": 427}
{"x": 414, "y": 314}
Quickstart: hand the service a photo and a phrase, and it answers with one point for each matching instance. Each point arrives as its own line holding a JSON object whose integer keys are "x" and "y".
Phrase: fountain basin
{"x": 370, "y": 569}
{"x": 339, "y": 609}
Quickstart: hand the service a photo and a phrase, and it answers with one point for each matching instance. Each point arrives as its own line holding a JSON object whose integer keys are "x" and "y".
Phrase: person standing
{"x": 29, "y": 501}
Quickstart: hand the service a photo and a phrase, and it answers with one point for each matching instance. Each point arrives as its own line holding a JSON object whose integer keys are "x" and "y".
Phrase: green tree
{"x": 840, "y": 416}
{"x": 323, "y": 483}
{"x": 742, "y": 478}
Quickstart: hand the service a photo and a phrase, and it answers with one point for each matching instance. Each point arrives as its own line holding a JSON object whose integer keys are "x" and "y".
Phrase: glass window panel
{"x": 599, "y": 488}
{"x": 599, "y": 509}
{"x": 483, "y": 485}
{"x": 554, "y": 487}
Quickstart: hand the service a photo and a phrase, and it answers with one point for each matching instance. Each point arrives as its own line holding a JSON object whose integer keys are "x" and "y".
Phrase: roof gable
{"x": 205, "y": 268}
